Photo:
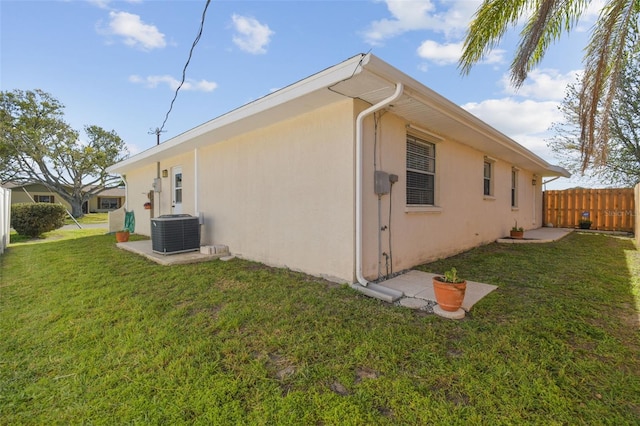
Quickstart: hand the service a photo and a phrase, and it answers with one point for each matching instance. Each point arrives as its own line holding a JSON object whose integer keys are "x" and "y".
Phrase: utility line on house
{"x": 156, "y": 132}
{"x": 159, "y": 130}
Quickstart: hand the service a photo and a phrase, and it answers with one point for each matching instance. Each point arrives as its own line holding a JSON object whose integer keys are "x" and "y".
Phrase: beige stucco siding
{"x": 284, "y": 195}
{"x": 18, "y": 195}
{"x": 139, "y": 183}
{"x": 165, "y": 201}
{"x": 464, "y": 217}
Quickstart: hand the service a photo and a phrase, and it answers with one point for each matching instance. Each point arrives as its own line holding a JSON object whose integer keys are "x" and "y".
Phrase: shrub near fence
{"x": 607, "y": 209}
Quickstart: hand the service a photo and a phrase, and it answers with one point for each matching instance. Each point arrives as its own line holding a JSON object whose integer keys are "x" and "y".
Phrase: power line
{"x": 159, "y": 130}
{"x": 156, "y": 132}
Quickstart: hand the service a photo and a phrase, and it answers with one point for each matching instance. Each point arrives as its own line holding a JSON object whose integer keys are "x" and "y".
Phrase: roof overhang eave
{"x": 243, "y": 118}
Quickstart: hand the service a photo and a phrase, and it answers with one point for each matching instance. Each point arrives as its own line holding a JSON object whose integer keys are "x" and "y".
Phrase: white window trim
{"x": 422, "y": 209}
{"x": 514, "y": 198}
{"x": 492, "y": 162}
{"x": 420, "y": 136}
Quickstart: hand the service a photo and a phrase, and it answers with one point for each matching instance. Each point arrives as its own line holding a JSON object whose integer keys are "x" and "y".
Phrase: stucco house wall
{"x": 283, "y": 195}
{"x": 113, "y": 197}
{"x": 463, "y": 216}
{"x": 139, "y": 182}
{"x": 37, "y": 190}
{"x": 277, "y": 180}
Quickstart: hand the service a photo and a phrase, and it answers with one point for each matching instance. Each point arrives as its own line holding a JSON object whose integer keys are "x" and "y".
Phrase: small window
{"x": 108, "y": 203}
{"x": 514, "y": 188}
{"x": 43, "y": 198}
{"x": 421, "y": 172}
{"x": 488, "y": 177}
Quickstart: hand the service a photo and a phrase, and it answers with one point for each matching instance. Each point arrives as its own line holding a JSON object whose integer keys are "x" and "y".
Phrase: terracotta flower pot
{"x": 122, "y": 236}
{"x": 517, "y": 235}
{"x": 449, "y": 295}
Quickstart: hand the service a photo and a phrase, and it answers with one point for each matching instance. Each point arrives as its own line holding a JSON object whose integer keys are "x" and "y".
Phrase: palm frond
{"x": 491, "y": 21}
{"x": 605, "y": 60}
{"x": 549, "y": 20}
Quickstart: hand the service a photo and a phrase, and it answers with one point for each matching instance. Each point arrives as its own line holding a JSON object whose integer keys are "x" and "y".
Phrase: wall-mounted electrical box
{"x": 382, "y": 185}
{"x": 157, "y": 185}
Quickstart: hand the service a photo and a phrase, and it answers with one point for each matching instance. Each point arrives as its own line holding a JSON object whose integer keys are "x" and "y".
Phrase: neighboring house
{"x": 108, "y": 200}
{"x": 352, "y": 173}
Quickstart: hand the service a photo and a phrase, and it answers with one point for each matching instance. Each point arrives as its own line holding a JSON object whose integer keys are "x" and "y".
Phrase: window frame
{"x": 515, "y": 178}
{"x": 430, "y": 193}
{"x": 101, "y": 199}
{"x": 488, "y": 182}
{"x": 50, "y": 199}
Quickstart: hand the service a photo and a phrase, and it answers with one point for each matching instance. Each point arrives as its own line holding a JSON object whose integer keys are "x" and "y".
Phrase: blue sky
{"x": 116, "y": 63}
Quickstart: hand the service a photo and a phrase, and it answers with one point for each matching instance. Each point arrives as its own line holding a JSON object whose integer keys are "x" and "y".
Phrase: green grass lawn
{"x": 89, "y": 218}
{"x": 95, "y": 335}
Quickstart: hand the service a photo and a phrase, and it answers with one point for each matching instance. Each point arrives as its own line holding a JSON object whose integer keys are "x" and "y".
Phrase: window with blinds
{"x": 43, "y": 198}
{"x": 514, "y": 188}
{"x": 488, "y": 175}
{"x": 421, "y": 172}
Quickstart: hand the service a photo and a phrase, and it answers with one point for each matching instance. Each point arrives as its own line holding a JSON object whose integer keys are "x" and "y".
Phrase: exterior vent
{"x": 175, "y": 233}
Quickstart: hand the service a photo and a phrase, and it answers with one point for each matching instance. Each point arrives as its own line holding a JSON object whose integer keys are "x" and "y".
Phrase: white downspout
{"x": 359, "y": 160}
{"x": 196, "y": 207}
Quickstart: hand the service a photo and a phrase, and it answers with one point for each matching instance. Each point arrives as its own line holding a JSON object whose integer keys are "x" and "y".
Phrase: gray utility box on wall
{"x": 175, "y": 233}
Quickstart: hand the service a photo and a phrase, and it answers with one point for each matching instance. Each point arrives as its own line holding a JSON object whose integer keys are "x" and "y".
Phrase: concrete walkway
{"x": 87, "y": 226}
{"x": 417, "y": 287}
{"x": 143, "y": 248}
{"x": 540, "y": 235}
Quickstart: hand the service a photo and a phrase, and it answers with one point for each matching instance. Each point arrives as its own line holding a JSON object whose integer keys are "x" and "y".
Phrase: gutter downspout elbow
{"x": 359, "y": 160}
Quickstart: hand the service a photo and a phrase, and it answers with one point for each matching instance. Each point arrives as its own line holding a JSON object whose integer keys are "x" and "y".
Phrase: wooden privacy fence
{"x": 607, "y": 209}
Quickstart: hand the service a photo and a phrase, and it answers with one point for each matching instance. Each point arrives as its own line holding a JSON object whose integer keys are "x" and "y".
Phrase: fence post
{"x": 5, "y": 218}
{"x": 637, "y": 215}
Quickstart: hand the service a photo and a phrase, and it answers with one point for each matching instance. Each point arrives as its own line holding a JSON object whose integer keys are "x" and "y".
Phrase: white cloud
{"x": 543, "y": 84}
{"x": 449, "y": 53}
{"x": 251, "y": 36}
{"x": 516, "y": 118}
{"x": 449, "y": 18}
{"x": 104, "y": 4}
{"x": 526, "y": 122}
{"x": 134, "y": 32}
{"x": 441, "y": 54}
{"x": 590, "y": 15}
{"x": 154, "y": 81}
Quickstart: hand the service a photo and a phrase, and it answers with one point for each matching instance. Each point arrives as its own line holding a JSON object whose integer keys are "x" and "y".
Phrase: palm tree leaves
{"x": 613, "y": 42}
{"x": 546, "y": 20}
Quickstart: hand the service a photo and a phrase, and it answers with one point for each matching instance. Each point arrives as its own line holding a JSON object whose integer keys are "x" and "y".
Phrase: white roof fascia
{"x": 428, "y": 96}
{"x": 318, "y": 81}
{"x": 322, "y": 80}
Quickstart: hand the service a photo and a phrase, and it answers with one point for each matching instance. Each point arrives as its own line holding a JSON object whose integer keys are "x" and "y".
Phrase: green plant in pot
{"x": 449, "y": 290}
{"x": 517, "y": 232}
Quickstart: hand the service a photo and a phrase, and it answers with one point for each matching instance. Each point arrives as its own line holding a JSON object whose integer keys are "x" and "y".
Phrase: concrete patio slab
{"x": 143, "y": 248}
{"x": 419, "y": 285}
{"x": 540, "y": 235}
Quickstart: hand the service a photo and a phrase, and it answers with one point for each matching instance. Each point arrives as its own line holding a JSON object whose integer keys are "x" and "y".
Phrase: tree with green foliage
{"x": 38, "y": 146}
{"x": 623, "y": 151}
{"x": 606, "y": 55}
